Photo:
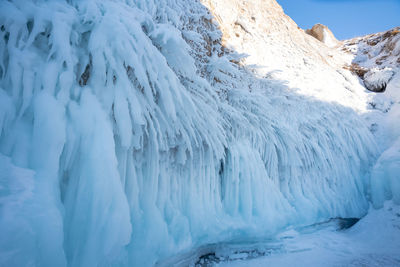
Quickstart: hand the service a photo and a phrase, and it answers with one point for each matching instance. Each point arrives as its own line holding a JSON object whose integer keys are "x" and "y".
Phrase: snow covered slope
{"x": 376, "y": 59}
{"x": 131, "y": 131}
{"x": 278, "y": 49}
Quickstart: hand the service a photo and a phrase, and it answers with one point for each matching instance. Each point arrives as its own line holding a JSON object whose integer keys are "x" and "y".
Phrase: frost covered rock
{"x": 377, "y": 57}
{"x": 323, "y": 34}
{"x": 376, "y": 79}
{"x": 376, "y": 50}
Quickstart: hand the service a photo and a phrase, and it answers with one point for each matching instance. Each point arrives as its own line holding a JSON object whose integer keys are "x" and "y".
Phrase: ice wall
{"x": 128, "y": 136}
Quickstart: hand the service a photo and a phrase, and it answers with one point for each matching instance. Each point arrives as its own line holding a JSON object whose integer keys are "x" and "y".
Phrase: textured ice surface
{"x": 373, "y": 241}
{"x": 385, "y": 182}
{"x": 116, "y": 150}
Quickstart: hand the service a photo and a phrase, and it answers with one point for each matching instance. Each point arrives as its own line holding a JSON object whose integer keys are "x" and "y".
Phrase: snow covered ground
{"x": 373, "y": 241}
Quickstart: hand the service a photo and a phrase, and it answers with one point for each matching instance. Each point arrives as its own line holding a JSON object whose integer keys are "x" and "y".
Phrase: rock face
{"x": 375, "y": 58}
{"x": 376, "y": 50}
{"x": 323, "y": 34}
{"x": 276, "y": 48}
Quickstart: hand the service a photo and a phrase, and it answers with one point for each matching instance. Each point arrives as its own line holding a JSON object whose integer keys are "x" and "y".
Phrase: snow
{"x": 376, "y": 78}
{"x": 373, "y": 241}
{"x": 379, "y": 55}
{"x": 329, "y": 39}
{"x": 130, "y": 133}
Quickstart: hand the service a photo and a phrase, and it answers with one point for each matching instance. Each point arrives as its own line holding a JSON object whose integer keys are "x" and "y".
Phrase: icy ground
{"x": 373, "y": 241}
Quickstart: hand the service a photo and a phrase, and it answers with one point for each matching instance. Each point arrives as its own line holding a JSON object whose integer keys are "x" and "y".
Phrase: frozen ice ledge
{"x": 127, "y": 135}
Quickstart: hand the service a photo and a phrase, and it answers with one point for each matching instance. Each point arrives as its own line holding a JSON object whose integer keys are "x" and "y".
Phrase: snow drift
{"x": 128, "y": 134}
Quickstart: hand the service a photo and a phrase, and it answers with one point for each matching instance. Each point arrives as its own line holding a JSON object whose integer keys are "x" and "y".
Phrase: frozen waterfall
{"x": 127, "y": 135}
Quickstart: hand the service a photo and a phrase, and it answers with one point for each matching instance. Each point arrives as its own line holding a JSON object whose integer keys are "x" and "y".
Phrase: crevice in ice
{"x": 83, "y": 80}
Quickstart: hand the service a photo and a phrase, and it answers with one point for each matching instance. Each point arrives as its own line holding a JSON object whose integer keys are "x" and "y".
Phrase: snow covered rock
{"x": 378, "y": 50}
{"x": 376, "y": 58}
{"x": 323, "y": 34}
{"x": 376, "y": 79}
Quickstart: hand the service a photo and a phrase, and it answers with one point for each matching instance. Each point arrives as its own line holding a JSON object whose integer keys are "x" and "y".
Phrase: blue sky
{"x": 346, "y": 18}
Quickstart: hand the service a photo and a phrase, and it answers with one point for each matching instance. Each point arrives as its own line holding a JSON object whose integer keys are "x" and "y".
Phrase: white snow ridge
{"x": 150, "y": 132}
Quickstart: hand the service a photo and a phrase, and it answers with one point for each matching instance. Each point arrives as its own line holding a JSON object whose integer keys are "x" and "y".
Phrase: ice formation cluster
{"x": 127, "y": 135}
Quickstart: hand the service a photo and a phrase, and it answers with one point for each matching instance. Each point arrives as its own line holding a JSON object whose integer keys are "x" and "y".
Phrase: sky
{"x": 345, "y": 18}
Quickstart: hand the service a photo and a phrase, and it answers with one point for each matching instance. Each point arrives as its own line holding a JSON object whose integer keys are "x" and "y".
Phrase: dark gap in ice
{"x": 83, "y": 80}
{"x": 377, "y": 88}
{"x": 212, "y": 258}
{"x": 346, "y": 223}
